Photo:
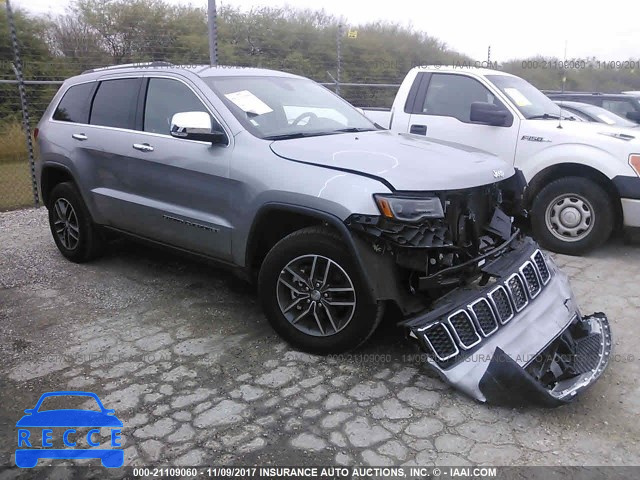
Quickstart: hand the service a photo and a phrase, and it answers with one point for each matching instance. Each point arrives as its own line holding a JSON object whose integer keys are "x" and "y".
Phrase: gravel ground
{"x": 183, "y": 354}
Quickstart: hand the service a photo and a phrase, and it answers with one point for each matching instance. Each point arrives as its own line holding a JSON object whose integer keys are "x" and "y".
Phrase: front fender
{"x": 592, "y": 156}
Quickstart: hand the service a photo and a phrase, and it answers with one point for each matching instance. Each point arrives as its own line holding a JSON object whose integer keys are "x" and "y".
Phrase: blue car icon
{"x": 70, "y": 418}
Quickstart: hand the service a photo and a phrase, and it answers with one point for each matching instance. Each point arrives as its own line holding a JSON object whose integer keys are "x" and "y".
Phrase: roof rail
{"x": 130, "y": 65}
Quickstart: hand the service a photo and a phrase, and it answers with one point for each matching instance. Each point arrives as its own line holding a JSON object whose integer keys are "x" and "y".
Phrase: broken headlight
{"x": 409, "y": 209}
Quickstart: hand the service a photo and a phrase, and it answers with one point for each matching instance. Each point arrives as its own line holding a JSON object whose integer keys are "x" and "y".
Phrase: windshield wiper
{"x": 544, "y": 116}
{"x": 353, "y": 130}
{"x": 288, "y": 136}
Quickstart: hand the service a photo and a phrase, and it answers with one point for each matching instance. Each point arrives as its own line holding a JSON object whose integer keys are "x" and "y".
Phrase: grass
{"x": 15, "y": 185}
{"x": 15, "y": 176}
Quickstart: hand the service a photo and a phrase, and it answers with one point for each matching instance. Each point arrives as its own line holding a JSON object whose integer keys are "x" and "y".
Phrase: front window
{"x": 531, "y": 102}
{"x": 280, "y": 107}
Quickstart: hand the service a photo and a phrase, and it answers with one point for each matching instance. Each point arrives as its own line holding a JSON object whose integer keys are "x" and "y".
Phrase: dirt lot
{"x": 183, "y": 354}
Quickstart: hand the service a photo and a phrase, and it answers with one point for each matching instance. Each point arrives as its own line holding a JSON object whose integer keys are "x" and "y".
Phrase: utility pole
{"x": 17, "y": 70}
{"x": 338, "y": 57}
{"x": 212, "y": 17}
{"x": 489, "y": 55}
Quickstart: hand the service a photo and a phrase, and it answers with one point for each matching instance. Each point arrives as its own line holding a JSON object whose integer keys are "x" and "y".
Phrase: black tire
{"x": 327, "y": 245}
{"x": 591, "y": 202}
{"x": 90, "y": 242}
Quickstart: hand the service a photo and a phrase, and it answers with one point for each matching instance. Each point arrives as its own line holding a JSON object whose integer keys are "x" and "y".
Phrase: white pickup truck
{"x": 583, "y": 178}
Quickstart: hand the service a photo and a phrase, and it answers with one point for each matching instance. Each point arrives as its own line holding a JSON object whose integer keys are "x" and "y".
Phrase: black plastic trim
{"x": 627, "y": 186}
{"x": 320, "y": 215}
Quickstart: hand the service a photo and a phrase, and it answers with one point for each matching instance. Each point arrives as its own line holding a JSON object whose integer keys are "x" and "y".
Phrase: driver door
{"x": 442, "y": 111}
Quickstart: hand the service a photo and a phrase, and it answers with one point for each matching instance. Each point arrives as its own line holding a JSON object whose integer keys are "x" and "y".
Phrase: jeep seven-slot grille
{"x": 517, "y": 291}
{"x": 542, "y": 267}
{"x": 464, "y": 328}
{"x": 531, "y": 279}
{"x": 441, "y": 341}
{"x": 484, "y": 316}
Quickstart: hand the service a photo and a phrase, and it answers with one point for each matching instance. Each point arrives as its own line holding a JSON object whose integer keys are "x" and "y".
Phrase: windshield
{"x": 271, "y": 107}
{"x": 531, "y": 102}
{"x": 608, "y": 117}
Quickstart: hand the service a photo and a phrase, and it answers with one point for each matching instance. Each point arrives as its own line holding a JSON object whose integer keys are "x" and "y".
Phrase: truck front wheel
{"x": 313, "y": 294}
{"x": 572, "y": 215}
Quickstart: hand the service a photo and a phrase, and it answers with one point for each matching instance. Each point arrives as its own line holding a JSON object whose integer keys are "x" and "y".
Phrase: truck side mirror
{"x": 635, "y": 116}
{"x": 489, "y": 114}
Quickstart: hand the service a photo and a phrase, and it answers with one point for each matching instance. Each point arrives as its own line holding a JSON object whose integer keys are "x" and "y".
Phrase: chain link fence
{"x": 38, "y": 56}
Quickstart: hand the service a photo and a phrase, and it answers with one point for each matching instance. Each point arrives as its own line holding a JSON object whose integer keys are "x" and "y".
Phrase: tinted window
{"x": 75, "y": 104}
{"x": 619, "y": 107}
{"x": 452, "y": 96}
{"x": 115, "y": 103}
{"x": 165, "y": 98}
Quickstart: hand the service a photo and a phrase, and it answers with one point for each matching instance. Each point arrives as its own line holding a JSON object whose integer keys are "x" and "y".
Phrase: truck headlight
{"x": 634, "y": 161}
{"x": 409, "y": 209}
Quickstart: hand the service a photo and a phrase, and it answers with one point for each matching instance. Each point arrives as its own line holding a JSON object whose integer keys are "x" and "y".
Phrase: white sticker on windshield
{"x": 248, "y": 102}
{"x": 517, "y": 97}
{"x": 606, "y": 119}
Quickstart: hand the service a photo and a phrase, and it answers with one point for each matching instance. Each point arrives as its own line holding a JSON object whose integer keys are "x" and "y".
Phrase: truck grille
{"x": 464, "y": 328}
{"x": 531, "y": 279}
{"x": 441, "y": 341}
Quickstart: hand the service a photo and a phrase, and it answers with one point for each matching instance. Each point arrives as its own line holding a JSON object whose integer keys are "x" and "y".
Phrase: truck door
{"x": 442, "y": 108}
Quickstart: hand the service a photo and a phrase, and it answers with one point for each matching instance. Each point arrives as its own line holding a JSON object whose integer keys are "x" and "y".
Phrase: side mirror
{"x": 29, "y": 410}
{"x": 196, "y": 126}
{"x": 635, "y": 116}
{"x": 488, "y": 114}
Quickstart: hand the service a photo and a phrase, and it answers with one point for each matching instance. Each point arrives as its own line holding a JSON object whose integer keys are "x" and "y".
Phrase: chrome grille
{"x": 463, "y": 329}
{"x": 541, "y": 265}
{"x": 441, "y": 342}
{"x": 502, "y": 305}
{"x": 484, "y": 317}
{"x": 515, "y": 286}
{"x": 531, "y": 279}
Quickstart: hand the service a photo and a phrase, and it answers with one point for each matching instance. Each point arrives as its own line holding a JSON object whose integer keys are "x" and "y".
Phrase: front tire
{"x": 313, "y": 294}
{"x": 71, "y": 225}
{"x": 572, "y": 215}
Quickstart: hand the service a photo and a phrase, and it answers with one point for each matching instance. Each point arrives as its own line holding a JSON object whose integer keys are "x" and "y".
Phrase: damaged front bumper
{"x": 520, "y": 339}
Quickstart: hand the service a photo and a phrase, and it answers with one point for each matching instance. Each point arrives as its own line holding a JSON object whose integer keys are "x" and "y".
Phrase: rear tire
{"x": 572, "y": 215}
{"x": 71, "y": 225}
{"x": 313, "y": 294}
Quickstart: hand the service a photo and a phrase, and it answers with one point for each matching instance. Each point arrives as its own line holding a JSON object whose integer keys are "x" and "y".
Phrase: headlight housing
{"x": 634, "y": 161}
{"x": 408, "y": 208}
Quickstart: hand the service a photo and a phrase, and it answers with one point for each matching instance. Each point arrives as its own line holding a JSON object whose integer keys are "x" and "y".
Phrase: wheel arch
{"x": 52, "y": 174}
{"x": 274, "y": 221}
{"x": 570, "y": 169}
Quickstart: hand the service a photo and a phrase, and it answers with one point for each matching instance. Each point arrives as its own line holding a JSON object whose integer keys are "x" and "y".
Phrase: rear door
{"x": 182, "y": 185}
{"x": 442, "y": 109}
{"x": 108, "y": 142}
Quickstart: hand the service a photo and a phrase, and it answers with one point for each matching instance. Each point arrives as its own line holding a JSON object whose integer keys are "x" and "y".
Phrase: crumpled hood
{"x": 407, "y": 162}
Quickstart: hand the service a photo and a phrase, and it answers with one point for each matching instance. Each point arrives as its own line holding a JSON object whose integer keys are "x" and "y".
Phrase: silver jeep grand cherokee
{"x": 334, "y": 217}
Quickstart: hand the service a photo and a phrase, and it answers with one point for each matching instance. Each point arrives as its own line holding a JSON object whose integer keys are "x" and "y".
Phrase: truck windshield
{"x": 283, "y": 107}
{"x": 531, "y": 102}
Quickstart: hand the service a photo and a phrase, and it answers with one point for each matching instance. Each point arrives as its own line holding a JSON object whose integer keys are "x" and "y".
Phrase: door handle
{"x": 79, "y": 136}
{"x": 418, "y": 129}
{"x": 143, "y": 147}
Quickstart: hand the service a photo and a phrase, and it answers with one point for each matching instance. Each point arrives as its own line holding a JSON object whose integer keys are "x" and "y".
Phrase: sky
{"x": 512, "y": 29}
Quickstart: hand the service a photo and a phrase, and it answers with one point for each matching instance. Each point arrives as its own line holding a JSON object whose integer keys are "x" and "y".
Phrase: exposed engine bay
{"x": 495, "y": 316}
{"x": 441, "y": 253}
